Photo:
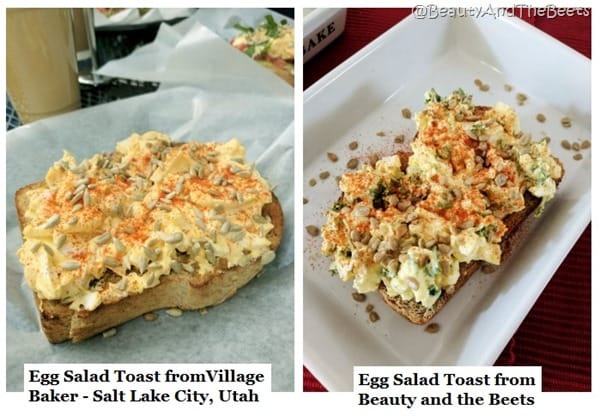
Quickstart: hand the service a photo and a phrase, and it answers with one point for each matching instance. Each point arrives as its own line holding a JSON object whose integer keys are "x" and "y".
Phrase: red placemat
{"x": 556, "y": 334}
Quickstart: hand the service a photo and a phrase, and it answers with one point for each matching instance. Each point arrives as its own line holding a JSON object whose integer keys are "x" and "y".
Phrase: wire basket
{"x": 118, "y": 41}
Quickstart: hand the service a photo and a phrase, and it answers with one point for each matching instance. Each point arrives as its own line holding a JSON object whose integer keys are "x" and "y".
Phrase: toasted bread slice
{"x": 183, "y": 290}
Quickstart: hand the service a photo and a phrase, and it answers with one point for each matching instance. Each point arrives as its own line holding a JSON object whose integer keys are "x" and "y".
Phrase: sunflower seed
{"x": 225, "y": 227}
{"x": 259, "y": 219}
{"x": 52, "y": 221}
{"x": 359, "y": 297}
{"x": 111, "y": 262}
{"x": 218, "y": 181}
{"x": 432, "y": 328}
{"x": 210, "y": 253}
{"x": 197, "y": 212}
{"x": 80, "y": 188}
{"x": 187, "y": 267}
{"x": 48, "y": 249}
{"x": 150, "y": 316}
{"x": 238, "y": 236}
{"x": 373, "y": 316}
{"x": 109, "y": 333}
{"x": 119, "y": 246}
{"x": 201, "y": 224}
{"x": 176, "y": 266}
{"x": 361, "y": 211}
{"x": 174, "y": 312}
{"x": 149, "y": 253}
{"x": 122, "y": 285}
{"x": 36, "y": 247}
{"x": 332, "y": 156}
{"x": 312, "y": 230}
{"x": 173, "y": 238}
{"x": 73, "y": 221}
{"x": 82, "y": 181}
{"x": 143, "y": 264}
{"x": 70, "y": 265}
{"x": 500, "y": 179}
{"x": 466, "y": 224}
{"x": 86, "y": 198}
{"x": 352, "y": 163}
{"x": 155, "y": 266}
{"x": 60, "y": 240}
{"x": 267, "y": 258}
{"x": 235, "y": 228}
{"x": 103, "y": 239}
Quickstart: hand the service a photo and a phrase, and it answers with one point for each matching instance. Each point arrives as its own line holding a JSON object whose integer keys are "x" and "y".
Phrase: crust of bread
{"x": 414, "y": 311}
{"x": 176, "y": 290}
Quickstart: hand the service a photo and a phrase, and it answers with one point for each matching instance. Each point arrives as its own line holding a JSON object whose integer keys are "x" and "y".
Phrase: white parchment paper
{"x": 196, "y": 51}
{"x": 256, "y": 325}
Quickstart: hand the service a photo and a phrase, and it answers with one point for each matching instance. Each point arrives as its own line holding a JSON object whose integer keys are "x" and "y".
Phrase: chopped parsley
{"x": 337, "y": 206}
{"x": 444, "y": 152}
{"x": 445, "y": 201}
{"x": 271, "y": 26}
{"x": 460, "y": 92}
{"x": 432, "y": 96}
{"x": 385, "y": 272}
{"x": 486, "y": 229}
{"x": 377, "y": 195}
{"x": 478, "y": 129}
{"x": 433, "y": 290}
{"x": 244, "y": 29}
{"x": 379, "y": 191}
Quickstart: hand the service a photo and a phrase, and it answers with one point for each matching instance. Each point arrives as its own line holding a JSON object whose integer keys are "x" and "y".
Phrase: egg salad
{"x": 113, "y": 225}
{"x": 411, "y": 224}
{"x": 271, "y": 44}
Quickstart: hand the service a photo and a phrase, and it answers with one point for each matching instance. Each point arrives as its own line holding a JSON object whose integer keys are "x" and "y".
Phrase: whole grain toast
{"x": 350, "y": 228}
{"x": 183, "y": 290}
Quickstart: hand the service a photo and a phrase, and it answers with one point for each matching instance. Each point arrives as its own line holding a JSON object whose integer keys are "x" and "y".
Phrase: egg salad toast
{"x": 271, "y": 44}
{"x": 416, "y": 225}
{"x": 155, "y": 224}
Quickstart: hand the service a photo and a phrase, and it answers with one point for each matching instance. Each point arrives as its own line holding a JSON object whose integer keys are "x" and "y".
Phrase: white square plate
{"x": 361, "y": 100}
